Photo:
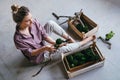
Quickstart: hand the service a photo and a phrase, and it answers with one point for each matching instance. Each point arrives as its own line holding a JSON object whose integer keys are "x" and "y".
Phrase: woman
{"x": 29, "y": 37}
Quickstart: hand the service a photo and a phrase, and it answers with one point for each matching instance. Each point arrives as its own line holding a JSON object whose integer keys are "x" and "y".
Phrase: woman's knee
{"x": 51, "y": 22}
{"x": 50, "y": 25}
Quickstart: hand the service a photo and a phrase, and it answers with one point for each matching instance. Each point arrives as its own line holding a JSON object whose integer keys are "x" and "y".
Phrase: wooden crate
{"x": 71, "y": 72}
{"x": 91, "y": 24}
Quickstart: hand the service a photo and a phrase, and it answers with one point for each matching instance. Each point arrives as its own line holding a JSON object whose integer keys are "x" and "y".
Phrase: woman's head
{"x": 19, "y": 12}
{"x": 21, "y": 15}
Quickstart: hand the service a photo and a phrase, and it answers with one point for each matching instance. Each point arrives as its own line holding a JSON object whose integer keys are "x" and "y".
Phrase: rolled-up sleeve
{"x": 24, "y": 47}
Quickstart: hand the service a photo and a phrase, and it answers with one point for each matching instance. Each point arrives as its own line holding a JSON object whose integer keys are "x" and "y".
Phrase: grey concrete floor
{"x": 106, "y": 13}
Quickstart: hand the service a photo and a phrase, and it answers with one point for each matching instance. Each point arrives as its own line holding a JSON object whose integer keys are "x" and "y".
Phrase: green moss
{"x": 81, "y": 28}
{"x": 58, "y": 42}
{"x": 81, "y": 57}
{"x": 109, "y": 35}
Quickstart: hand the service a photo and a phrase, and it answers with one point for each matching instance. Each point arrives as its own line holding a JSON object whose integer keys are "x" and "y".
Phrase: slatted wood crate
{"x": 74, "y": 71}
{"x": 92, "y": 26}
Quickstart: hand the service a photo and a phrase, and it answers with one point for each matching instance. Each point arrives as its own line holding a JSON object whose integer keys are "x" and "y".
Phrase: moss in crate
{"x": 76, "y": 59}
{"x": 81, "y": 28}
{"x": 90, "y": 55}
{"x": 81, "y": 57}
{"x": 86, "y": 23}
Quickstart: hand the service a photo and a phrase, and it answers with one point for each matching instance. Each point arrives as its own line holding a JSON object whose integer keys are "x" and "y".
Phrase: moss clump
{"x": 109, "y": 35}
{"x": 81, "y": 28}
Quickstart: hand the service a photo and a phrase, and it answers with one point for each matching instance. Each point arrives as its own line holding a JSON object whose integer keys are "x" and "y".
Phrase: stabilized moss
{"x": 81, "y": 28}
{"x": 87, "y": 27}
{"x": 58, "y": 42}
{"x": 81, "y": 57}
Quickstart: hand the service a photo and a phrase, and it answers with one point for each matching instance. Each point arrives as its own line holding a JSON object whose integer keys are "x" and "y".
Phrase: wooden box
{"x": 92, "y": 26}
{"x": 71, "y": 72}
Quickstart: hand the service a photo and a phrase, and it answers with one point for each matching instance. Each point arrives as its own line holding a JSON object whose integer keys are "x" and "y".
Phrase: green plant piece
{"x": 81, "y": 28}
{"x": 89, "y": 54}
{"x": 83, "y": 58}
{"x": 58, "y": 42}
{"x": 75, "y": 62}
{"x": 70, "y": 58}
{"x": 85, "y": 29}
{"x": 109, "y": 35}
{"x": 72, "y": 65}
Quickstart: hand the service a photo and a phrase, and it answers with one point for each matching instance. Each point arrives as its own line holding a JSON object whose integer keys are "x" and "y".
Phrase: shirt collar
{"x": 21, "y": 35}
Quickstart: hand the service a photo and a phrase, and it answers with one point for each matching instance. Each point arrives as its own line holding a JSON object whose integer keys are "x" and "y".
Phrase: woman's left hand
{"x": 63, "y": 44}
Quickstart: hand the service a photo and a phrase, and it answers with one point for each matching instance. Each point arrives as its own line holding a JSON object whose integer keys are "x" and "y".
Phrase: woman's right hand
{"x": 50, "y": 48}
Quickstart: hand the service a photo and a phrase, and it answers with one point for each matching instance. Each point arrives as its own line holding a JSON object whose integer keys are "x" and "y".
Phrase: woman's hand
{"x": 50, "y": 48}
{"x": 63, "y": 44}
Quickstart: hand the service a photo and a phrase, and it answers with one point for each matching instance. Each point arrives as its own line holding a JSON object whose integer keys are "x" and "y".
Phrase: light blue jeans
{"x": 50, "y": 27}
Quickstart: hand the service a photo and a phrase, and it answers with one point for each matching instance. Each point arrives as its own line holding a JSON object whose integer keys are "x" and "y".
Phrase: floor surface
{"x": 106, "y": 13}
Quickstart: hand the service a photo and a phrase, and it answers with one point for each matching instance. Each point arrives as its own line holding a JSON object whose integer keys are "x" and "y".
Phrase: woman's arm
{"x": 37, "y": 51}
{"x": 42, "y": 49}
{"x": 50, "y": 40}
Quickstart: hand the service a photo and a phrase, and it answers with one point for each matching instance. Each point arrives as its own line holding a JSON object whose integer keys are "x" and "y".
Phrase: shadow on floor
{"x": 25, "y": 63}
{"x": 54, "y": 67}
